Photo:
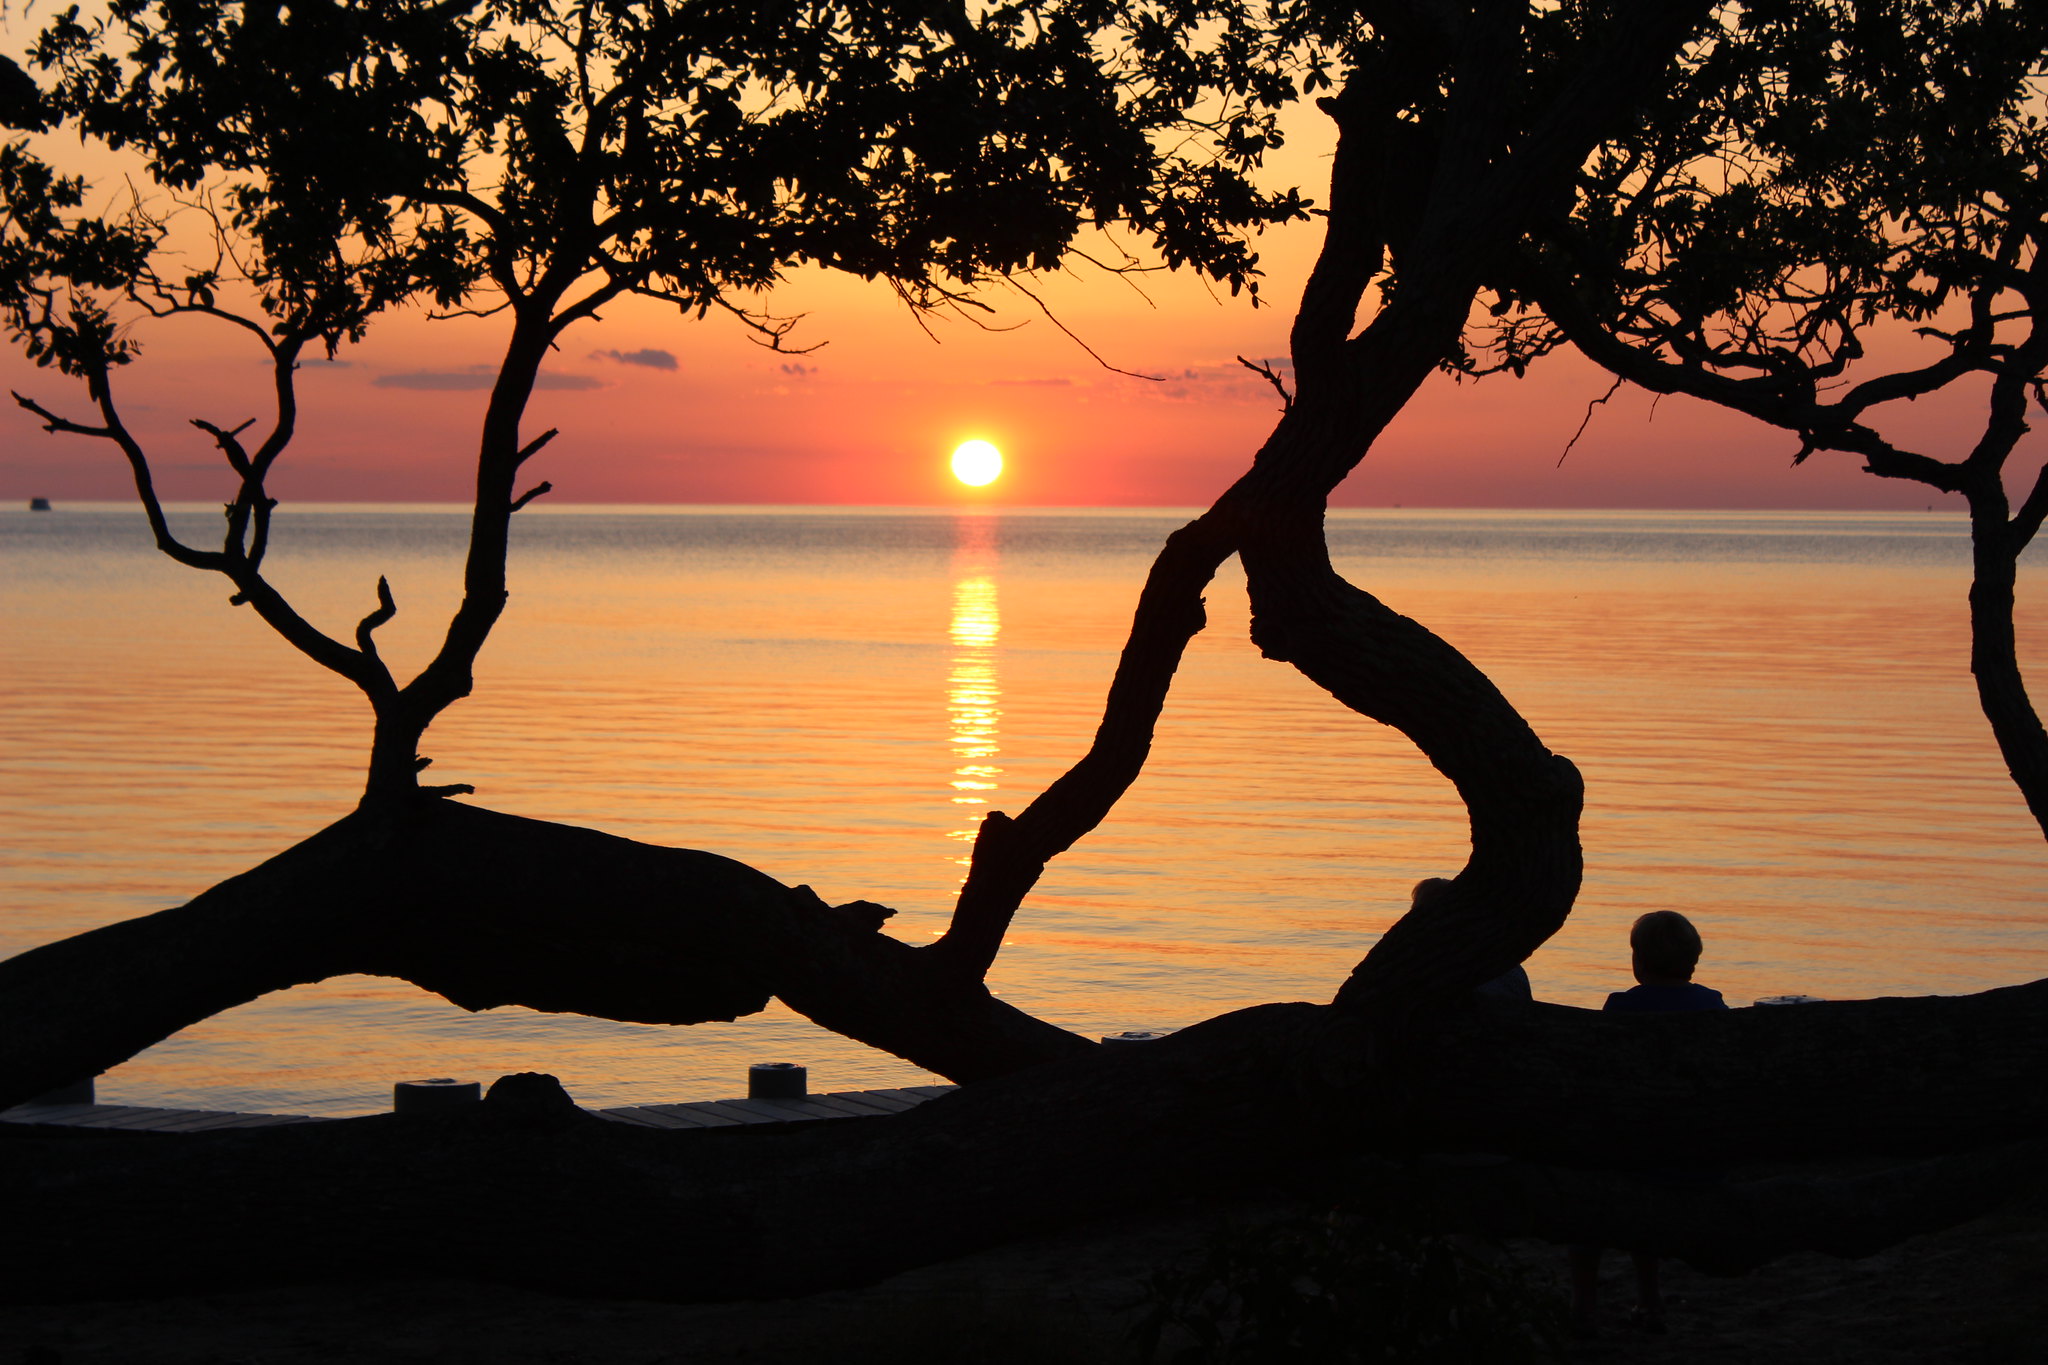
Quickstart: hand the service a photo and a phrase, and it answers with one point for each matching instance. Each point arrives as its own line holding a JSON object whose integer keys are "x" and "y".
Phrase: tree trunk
{"x": 1994, "y": 656}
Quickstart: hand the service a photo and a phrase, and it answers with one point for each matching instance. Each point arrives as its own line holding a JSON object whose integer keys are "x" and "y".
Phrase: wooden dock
{"x": 845, "y": 1104}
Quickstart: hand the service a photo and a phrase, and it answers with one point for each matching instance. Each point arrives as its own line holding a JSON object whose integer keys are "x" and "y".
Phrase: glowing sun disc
{"x": 977, "y": 463}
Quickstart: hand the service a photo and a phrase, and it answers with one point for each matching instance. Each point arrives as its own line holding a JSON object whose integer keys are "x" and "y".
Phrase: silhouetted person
{"x": 1664, "y": 949}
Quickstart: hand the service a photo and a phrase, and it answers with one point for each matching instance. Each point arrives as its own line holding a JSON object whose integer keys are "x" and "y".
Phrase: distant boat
{"x": 38, "y": 504}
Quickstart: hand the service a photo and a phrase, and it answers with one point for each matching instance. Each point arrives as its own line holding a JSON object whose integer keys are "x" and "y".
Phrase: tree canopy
{"x": 1826, "y": 178}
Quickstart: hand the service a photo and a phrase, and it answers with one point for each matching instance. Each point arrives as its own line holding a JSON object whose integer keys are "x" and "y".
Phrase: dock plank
{"x": 117, "y": 1116}
{"x": 632, "y": 1116}
{"x": 735, "y": 1110}
{"x": 900, "y": 1097}
{"x": 848, "y": 1106}
{"x": 203, "y": 1121}
{"x": 786, "y": 1110}
{"x": 142, "y": 1118}
{"x": 48, "y": 1113}
{"x": 878, "y": 1100}
{"x": 690, "y": 1116}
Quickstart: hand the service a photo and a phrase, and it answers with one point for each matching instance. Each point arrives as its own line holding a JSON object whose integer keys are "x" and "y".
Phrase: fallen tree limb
{"x": 490, "y": 909}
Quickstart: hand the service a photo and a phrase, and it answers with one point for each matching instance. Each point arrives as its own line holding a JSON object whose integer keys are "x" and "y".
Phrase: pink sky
{"x": 656, "y": 408}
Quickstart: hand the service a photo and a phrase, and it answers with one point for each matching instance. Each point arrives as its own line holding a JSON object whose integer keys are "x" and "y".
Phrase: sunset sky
{"x": 657, "y": 408}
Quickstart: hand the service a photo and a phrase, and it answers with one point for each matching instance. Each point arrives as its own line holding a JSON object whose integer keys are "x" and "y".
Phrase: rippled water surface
{"x": 1773, "y": 713}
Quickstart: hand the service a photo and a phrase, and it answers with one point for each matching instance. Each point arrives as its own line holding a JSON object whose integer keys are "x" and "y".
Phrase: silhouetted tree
{"x": 1462, "y": 128}
{"x": 1827, "y": 172}
{"x": 536, "y": 161}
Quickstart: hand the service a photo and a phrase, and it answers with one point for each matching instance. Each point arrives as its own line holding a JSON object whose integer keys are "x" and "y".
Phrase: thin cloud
{"x": 798, "y": 369}
{"x": 1233, "y": 382}
{"x": 463, "y": 381}
{"x": 652, "y": 358}
{"x": 1032, "y": 383}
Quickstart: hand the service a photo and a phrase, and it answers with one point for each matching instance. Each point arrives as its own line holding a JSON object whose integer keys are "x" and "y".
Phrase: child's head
{"x": 1665, "y": 947}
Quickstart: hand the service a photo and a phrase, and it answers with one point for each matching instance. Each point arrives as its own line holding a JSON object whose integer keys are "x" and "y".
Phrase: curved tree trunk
{"x": 1994, "y": 654}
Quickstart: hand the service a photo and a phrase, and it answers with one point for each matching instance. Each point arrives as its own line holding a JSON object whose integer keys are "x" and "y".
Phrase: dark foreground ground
{"x": 1974, "y": 1295}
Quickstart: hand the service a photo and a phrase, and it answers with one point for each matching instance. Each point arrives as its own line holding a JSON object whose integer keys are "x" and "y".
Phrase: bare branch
{"x": 770, "y": 331}
{"x": 1118, "y": 369}
{"x": 387, "y": 608}
{"x": 440, "y": 314}
{"x": 533, "y": 447}
{"x": 538, "y": 490}
{"x": 1280, "y": 387}
{"x": 172, "y": 306}
{"x": 1587, "y": 420}
{"x": 52, "y": 422}
{"x": 421, "y": 763}
{"x": 228, "y": 441}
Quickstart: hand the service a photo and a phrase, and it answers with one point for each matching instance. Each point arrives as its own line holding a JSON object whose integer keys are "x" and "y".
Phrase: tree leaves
{"x": 368, "y": 153}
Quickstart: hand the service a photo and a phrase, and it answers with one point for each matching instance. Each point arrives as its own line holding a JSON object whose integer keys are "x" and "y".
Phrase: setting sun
{"x": 977, "y": 463}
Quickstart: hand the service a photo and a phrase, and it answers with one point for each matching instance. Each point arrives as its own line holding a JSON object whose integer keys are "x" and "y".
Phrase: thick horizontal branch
{"x": 490, "y": 910}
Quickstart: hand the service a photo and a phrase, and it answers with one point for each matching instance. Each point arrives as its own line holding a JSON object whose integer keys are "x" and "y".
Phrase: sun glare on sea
{"x": 977, "y": 463}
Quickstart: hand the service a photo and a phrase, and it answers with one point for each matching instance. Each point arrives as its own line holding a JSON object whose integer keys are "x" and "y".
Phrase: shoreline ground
{"x": 1976, "y": 1294}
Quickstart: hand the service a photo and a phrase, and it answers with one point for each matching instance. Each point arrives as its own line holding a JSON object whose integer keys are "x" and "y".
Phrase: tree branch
{"x": 1073, "y": 337}
{"x": 386, "y": 609}
{"x": 1279, "y": 387}
{"x": 1011, "y": 854}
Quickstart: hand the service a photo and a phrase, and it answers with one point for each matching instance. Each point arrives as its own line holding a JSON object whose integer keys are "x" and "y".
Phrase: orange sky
{"x": 655, "y": 408}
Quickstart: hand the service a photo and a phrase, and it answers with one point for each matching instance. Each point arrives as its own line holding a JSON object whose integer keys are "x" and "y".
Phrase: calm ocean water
{"x": 1772, "y": 710}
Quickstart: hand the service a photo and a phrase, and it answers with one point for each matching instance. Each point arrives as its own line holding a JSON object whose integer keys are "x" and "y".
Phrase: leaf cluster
{"x": 354, "y": 155}
{"x": 1818, "y": 166}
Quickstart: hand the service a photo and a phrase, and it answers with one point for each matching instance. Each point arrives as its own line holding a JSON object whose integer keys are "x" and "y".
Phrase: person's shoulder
{"x": 1665, "y": 999}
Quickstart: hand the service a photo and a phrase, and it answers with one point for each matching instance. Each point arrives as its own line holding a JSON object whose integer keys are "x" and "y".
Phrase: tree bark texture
{"x": 1278, "y": 1095}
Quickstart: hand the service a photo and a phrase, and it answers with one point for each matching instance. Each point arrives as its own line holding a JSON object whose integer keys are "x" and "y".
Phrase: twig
{"x": 52, "y": 422}
{"x": 530, "y": 494}
{"x": 1260, "y": 367}
{"x": 1054, "y": 318}
{"x": 533, "y": 447}
{"x": 227, "y": 440}
{"x": 1587, "y": 421}
{"x": 386, "y": 609}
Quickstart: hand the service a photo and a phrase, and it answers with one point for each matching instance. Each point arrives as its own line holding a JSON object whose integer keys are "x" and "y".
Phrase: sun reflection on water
{"x": 973, "y": 689}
